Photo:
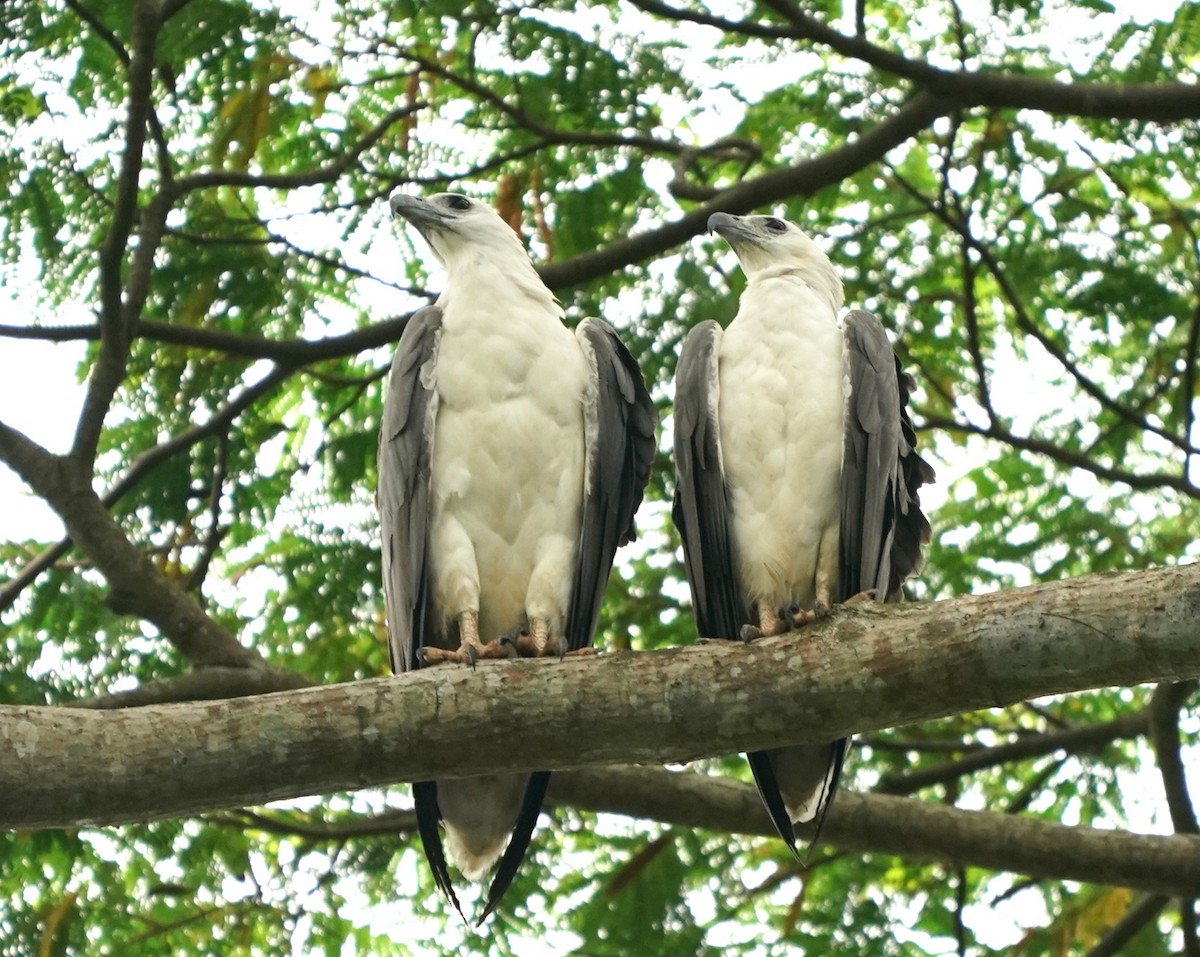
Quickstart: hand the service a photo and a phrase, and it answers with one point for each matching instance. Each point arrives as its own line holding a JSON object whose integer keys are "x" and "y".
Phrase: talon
{"x": 801, "y": 617}
{"x": 442, "y": 656}
{"x": 588, "y": 650}
{"x": 771, "y": 624}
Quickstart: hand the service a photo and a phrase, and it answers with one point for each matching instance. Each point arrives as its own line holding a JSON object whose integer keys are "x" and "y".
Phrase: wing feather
{"x": 882, "y": 525}
{"x": 405, "y": 451}
{"x": 701, "y": 506}
{"x": 620, "y": 419}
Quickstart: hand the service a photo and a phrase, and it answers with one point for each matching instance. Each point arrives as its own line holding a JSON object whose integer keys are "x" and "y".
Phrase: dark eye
{"x": 776, "y": 225}
{"x": 454, "y": 201}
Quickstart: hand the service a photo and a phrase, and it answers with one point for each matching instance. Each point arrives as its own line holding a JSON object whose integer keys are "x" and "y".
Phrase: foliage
{"x": 1035, "y": 254}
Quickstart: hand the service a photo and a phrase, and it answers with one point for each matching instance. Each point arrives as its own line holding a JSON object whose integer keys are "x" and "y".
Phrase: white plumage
{"x": 782, "y": 381}
{"x": 508, "y": 447}
{"x": 513, "y": 454}
{"x": 796, "y": 472}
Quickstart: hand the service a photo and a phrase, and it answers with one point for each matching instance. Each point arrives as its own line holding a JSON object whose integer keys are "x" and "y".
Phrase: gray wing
{"x": 701, "y": 506}
{"x": 405, "y": 449}
{"x": 882, "y": 526}
{"x": 620, "y": 420}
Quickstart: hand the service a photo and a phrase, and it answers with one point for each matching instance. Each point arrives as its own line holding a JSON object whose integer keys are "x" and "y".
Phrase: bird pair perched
{"x": 514, "y": 452}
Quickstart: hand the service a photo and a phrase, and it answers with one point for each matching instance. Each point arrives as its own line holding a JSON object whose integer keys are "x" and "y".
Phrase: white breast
{"x": 508, "y": 461}
{"x": 780, "y": 413}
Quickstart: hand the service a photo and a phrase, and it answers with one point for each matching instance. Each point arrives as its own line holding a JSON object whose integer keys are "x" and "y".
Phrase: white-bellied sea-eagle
{"x": 797, "y": 473}
{"x": 512, "y": 456}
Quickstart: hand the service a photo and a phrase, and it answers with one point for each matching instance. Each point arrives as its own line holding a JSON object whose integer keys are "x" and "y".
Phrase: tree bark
{"x": 867, "y": 667}
{"x": 915, "y": 829}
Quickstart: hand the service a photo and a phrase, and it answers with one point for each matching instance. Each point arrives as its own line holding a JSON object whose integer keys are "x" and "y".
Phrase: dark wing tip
{"x": 518, "y": 843}
{"x": 428, "y": 815}
{"x": 772, "y": 798}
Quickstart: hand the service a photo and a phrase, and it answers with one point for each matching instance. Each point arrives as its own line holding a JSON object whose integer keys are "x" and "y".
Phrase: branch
{"x": 201, "y": 684}
{"x": 550, "y": 135}
{"x": 1028, "y": 746}
{"x": 294, "y": 352}
{"x": 139, "y": 468}
{"x": 115, "y": 330}
{"x": 917, "y": 830}
{"x": 960, "y": 224}
{"x": 1137, "y": 480}
{"x": 138, "y": 587}
{"x": 1164, "y": 732}
{"x": 868, "y": 667}
{"x": 110, "y": 39}
{"x": 803, "y": 179}
{"x": 1165, "y": 102}
{"x": 314, "y": 177}
{"x": 89, "y": 332}
{"x": 1143, "y": 912}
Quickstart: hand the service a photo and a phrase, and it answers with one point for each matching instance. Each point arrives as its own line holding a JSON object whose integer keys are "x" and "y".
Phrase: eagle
{"x": 513, "y": 454}
{"x": 797, "y": 473}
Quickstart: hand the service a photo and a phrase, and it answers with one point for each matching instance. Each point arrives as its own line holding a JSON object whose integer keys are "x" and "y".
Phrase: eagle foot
{"x": 799, "y": 617}
{"x": 580, "y": 652}
{"x": 866, "y": 595}
{"x": 769, "y": 624}
{"x": 533, "y": 640}
{"x": 467, "y": 653}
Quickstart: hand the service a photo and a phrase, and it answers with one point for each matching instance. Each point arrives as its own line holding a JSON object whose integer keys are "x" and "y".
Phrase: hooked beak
{"x": 421, "y": 214}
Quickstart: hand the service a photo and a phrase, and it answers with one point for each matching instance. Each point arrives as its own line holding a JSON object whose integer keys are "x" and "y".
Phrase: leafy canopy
{"x": 1010, "y": 186}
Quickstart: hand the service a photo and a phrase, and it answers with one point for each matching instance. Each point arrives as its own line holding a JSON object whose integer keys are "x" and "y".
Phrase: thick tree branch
{"x": 802, "y": 179}
{"x": 859, "y": 822}
{"x": 1166, "y": 102}
{"x": 918, "y": 830}
{"x": 138, "y": 587}
{"x": 868, "y": 667}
